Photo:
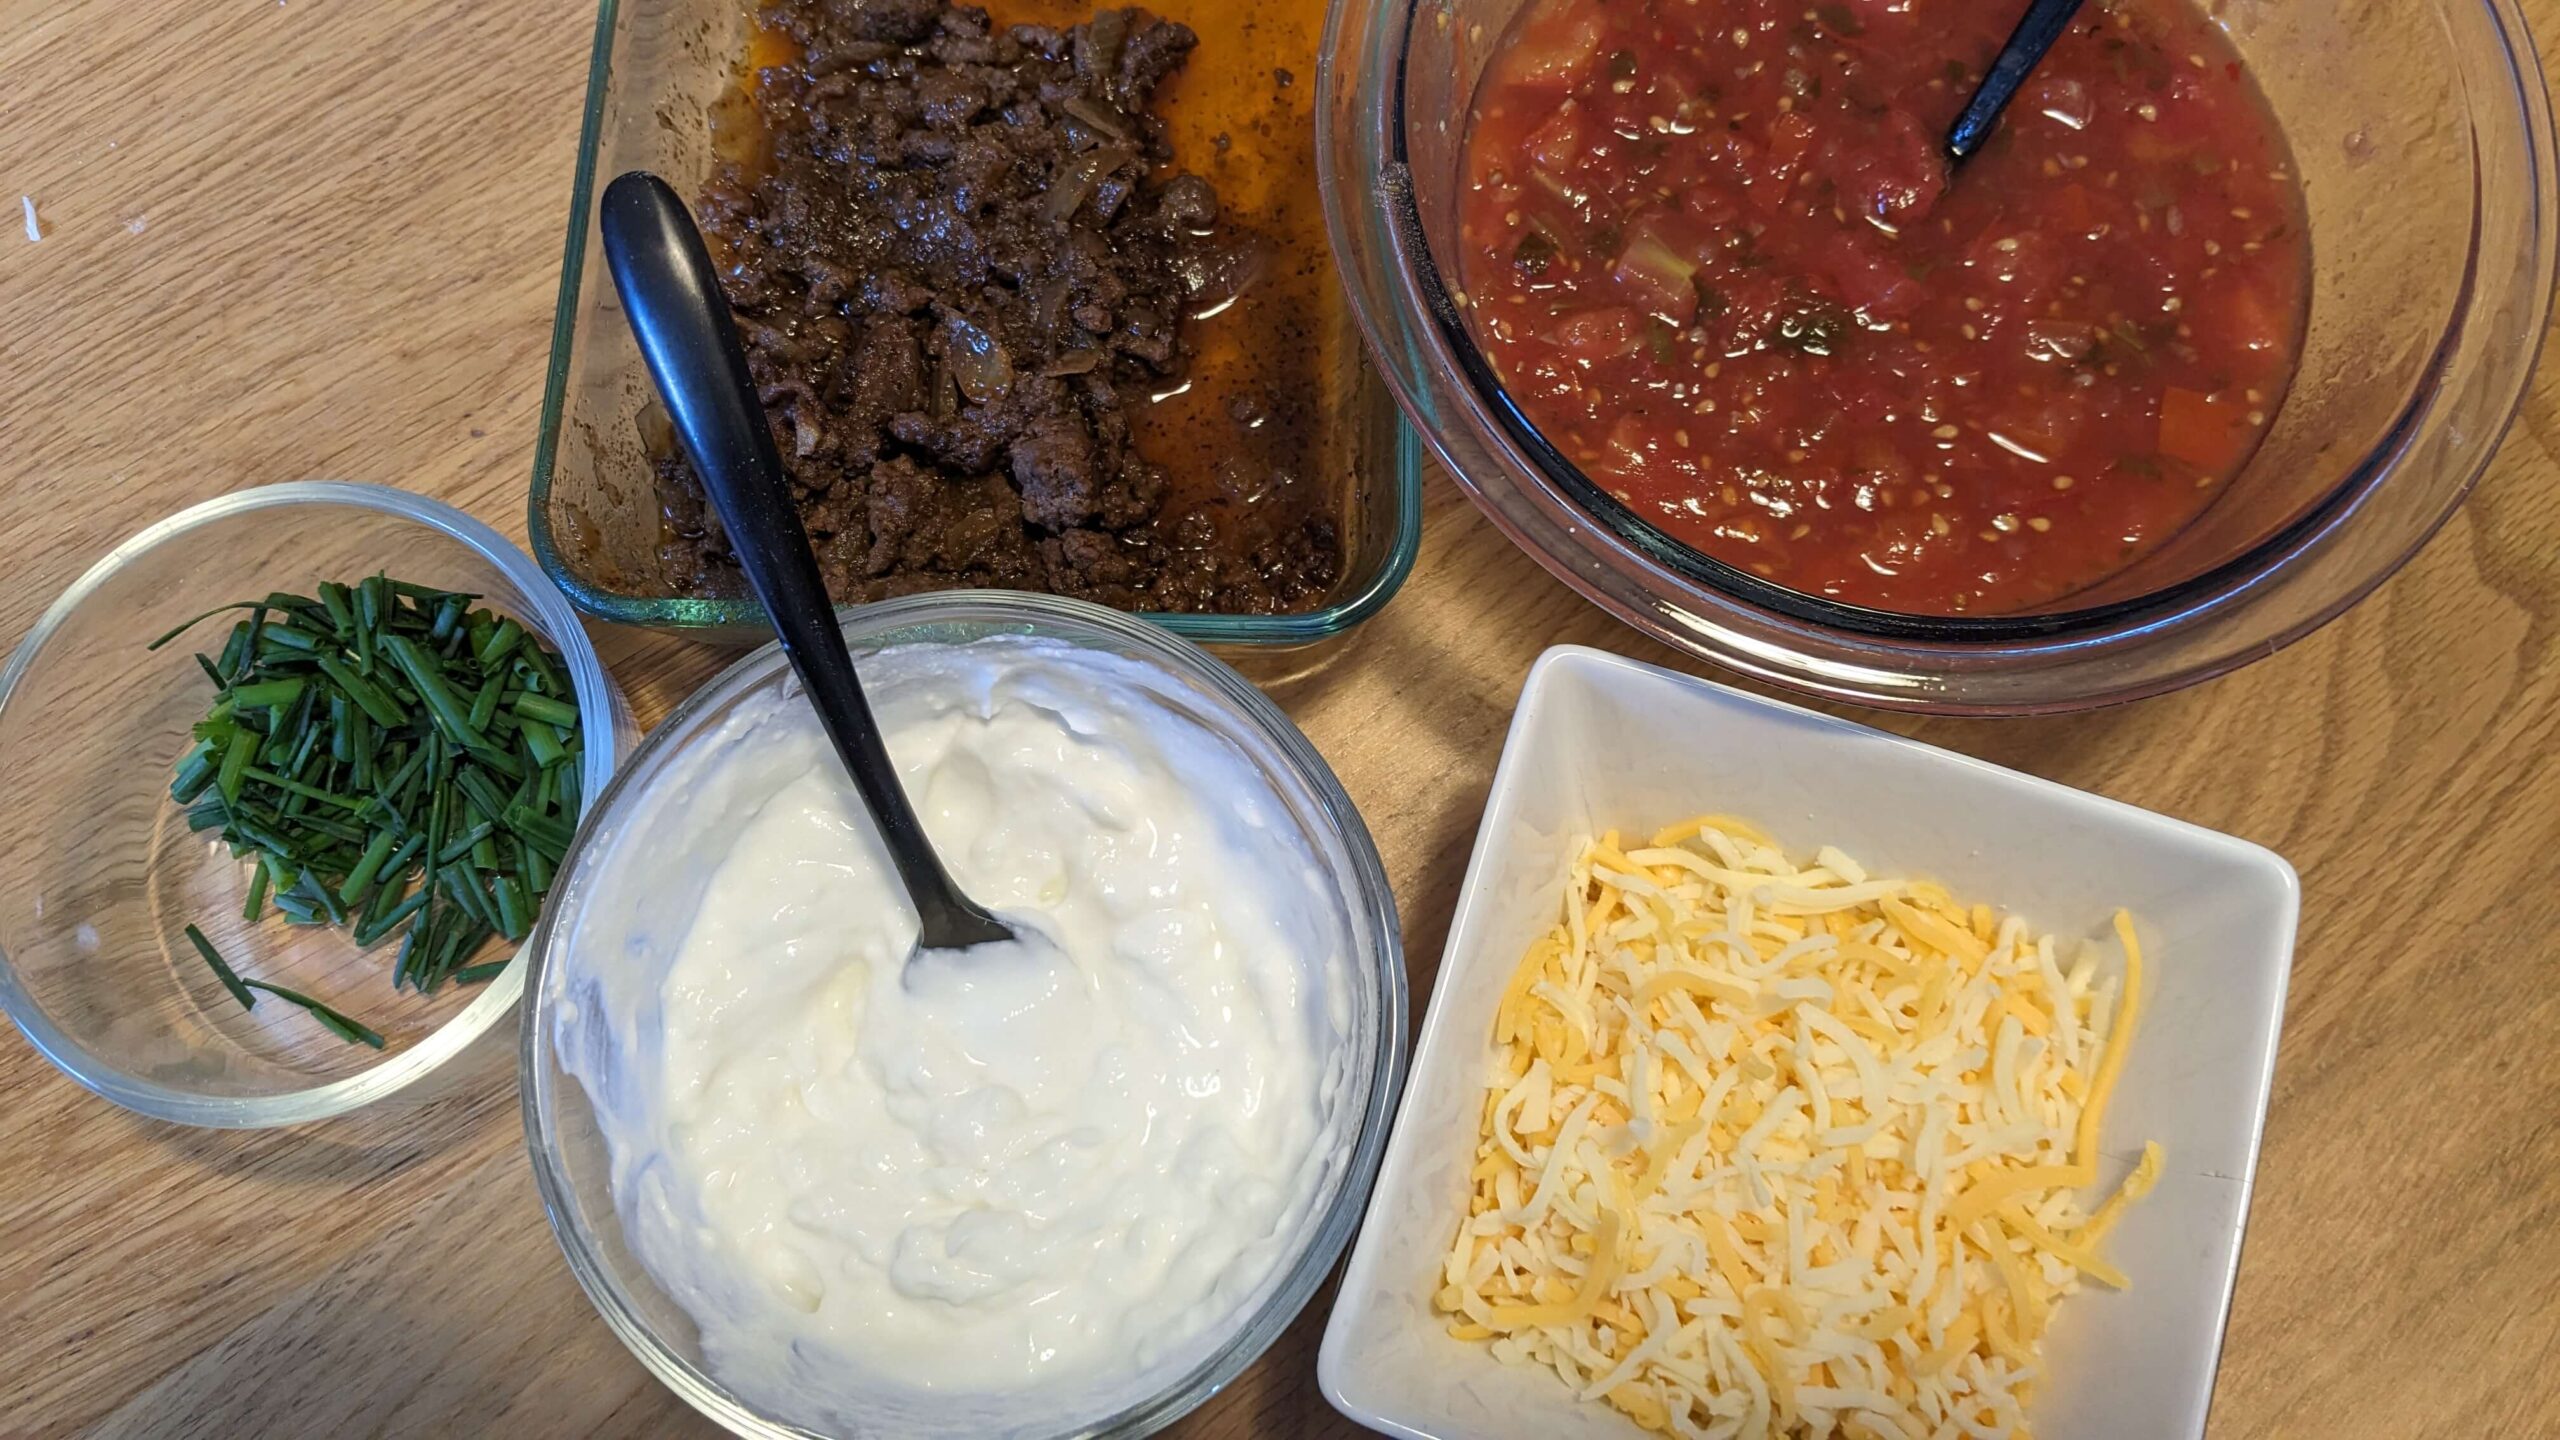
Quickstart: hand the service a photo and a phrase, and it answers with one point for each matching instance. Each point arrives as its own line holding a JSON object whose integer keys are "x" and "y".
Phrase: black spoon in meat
{"x": 2043, "y": 24}
{"x": 690, "y": 342}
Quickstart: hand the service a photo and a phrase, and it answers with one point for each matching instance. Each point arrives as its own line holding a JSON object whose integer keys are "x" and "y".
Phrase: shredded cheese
{"x": 1779, "y": 1150}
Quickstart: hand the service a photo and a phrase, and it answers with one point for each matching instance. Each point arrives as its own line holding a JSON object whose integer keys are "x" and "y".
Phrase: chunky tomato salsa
{"x": 1714, "y": 252}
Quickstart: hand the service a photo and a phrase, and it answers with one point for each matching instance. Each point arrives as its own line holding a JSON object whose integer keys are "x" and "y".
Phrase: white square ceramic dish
{"x": 1600, "y": 741}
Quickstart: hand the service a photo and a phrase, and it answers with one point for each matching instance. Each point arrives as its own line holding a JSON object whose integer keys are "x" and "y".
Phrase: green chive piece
{"x": 463, "y": 844}
{"x": 502, "y": 643}
{"x": 544, "y": 743}
{"x": 222, "y": 970}
{"x": 340, "y": 1025}
{"x": 195, "y": 772}
{"x": 255, "y": 906}
{"x": 310, "y": 885}
{"x": 363, "y": 692}
{"x": 334, "y": 599}
{"x": 186, "y": 625}
{"x": 479, "y": 974}
{"x": 484, "y": 706}
{"x": 272, "y": 693}
{"x": 427, "y": 674}
{"x": 545, "y": 709}
{"x": 235, "y": 765}
{"x": 307, "y": 792}
{"x": 373, "y": 930}
{"x": 360, "y": 879}
{"x": 515, "y": 915}
{"x": 542, "y": 830}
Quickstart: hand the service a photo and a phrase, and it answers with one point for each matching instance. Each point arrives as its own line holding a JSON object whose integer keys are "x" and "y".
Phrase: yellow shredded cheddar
{"x": 1779, "y": 1149}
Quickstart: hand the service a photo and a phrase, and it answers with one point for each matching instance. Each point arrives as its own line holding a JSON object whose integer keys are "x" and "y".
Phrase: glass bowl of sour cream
{"x": 816, "y": 1191}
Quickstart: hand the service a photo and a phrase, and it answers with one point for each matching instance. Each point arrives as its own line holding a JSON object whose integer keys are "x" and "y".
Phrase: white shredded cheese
{"x": 1779, "y": 1150}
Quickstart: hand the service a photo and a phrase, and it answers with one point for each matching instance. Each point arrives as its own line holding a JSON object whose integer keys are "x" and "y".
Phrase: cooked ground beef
{"x": 956, "y": 279}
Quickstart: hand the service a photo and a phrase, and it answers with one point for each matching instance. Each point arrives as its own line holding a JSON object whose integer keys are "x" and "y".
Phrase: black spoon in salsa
{"x": 2043, "y": 24}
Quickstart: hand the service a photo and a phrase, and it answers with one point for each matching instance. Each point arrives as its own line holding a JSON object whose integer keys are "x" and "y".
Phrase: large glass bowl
{"x": 593, "y": 912}
{"x": 99, "y": 875}
{"x": 655, "y": 86}
{"x": 2422, "y": 131}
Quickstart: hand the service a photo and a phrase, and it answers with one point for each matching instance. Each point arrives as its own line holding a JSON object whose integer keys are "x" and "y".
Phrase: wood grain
{"x": 320, "y": 238}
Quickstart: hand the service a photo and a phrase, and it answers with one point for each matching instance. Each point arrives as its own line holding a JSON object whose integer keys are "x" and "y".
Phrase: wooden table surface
{"x": 297, "y": 238}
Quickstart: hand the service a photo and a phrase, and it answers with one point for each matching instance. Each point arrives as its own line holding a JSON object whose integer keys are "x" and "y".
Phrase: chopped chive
{"x": 390, "y": 919}
{"x": 479, "y": 974}
{"x": 272, "y": 693}
{"x": 467, "y": 894}
{"x": 308, "y": 792}
{"x": 333, "y": 598}
{"x": 256, "y": 905}
{"x": 484, "y": 706}
{"x": 340, "y": 1025}
{"x": 195, "y": 772}
{"x": 476, "y": 786}
{"x": 452, "y": 853}
{"x": 236, "y": 651}
{"x": 501, "y": 643}
{"x": 363, "y": 692}
{"x": 235, "y": 764}
{"x": 310, "y": 885}
{"x": 542, "y": 830}
{"x": 186, "y": 625}
{"x": 360, "y": 879}
{"x": 208, "y": 813}
{"x": 539, "y": 668}
{"x": 412, "y": 947}
{"x": 210, "y": 672}
{"x": 515, "y": 919}
{"x": 544, "y": 742}
{"x": 293, "y": 637}
{"x": 546, "y": 709}
{"x": 427, "y": 674}
{"x": 222, "y": 970}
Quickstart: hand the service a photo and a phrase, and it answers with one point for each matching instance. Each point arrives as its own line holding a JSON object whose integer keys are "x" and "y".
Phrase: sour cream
{"x": 1024, "y": 1178}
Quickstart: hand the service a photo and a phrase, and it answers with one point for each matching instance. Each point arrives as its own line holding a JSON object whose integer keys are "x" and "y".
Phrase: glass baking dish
{"x": 658, "y": 70}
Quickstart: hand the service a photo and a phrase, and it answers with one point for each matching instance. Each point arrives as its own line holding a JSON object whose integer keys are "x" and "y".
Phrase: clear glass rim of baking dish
{"x": 688, "y": 612}
{"x": 1370, "y": 908}
{"x": 557, "y": 622}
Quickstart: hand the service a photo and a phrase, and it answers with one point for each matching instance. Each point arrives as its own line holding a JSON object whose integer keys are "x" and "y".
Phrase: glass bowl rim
{"x": 1372, "y": 909}
{"x": 2179, "y": 602}
{"x": 691, "y": 612}
{"x": 558, "y": 623}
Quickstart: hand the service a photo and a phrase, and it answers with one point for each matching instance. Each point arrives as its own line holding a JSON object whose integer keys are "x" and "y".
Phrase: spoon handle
{"x": 2043, "y": 24}
{"x": 673, "y": 297}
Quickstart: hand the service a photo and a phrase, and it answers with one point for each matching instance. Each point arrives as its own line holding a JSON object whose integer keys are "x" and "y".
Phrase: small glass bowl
{"x": 99, "y": 875}
{"x": 573, "y": 1168}
{"x": 2423, "y": 134}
